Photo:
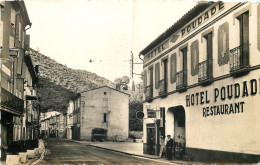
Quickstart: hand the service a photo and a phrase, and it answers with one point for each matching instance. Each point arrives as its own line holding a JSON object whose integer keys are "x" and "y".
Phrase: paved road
{"x": 68, "y": 152}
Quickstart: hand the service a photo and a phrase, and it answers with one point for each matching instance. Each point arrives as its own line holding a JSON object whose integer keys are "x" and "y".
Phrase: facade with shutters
{"x": 18, "y": 105}
{"x": 202, "y": 82}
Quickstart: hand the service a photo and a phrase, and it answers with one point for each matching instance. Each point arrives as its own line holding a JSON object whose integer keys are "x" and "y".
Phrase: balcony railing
{"x": 181, "y": 80}
{"x": 149, "y": 93}
{"x": 163, "y": 88}
{"x": 239, "y": 59}
{"x": 205, "y": 71}
{"x": 11, "y": 102}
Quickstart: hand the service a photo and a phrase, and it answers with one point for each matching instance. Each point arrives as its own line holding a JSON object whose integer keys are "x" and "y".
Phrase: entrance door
{"x": 179, "y": 133}
{"x": 73, "y": 133}
{"x": 151, "y": 141}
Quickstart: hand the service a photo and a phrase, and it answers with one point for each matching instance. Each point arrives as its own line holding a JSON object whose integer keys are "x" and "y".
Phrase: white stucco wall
{"x": 235, "y": 132}
{"x": 117, "y": 110}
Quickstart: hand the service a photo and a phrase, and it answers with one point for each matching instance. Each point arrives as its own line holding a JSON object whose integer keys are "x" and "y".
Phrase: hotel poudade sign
{"x": 205, "y": 16}
{"x": 236, "y": 91}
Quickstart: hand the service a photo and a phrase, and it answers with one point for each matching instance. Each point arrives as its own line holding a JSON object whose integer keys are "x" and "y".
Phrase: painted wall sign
{"x": 6, "y": 70}
{"x": 202, "y": 18}
{"x": 232, "y": 91}
{"x": 14, "y": 52}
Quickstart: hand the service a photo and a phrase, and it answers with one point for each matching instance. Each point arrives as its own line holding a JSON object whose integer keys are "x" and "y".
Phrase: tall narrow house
{"x": 14, "y": 21}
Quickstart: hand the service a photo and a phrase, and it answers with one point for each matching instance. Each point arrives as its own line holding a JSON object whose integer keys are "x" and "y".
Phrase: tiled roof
{"x": 195, "y": 11}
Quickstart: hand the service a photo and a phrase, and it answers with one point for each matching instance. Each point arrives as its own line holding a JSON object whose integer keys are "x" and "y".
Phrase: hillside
{"x": 58, "y": 83}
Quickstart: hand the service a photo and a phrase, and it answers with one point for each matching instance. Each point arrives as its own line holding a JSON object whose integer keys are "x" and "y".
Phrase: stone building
{"x": 76, "y": 117}
{"x": 46, "y": 119}
{"x": 201, "y": 79}
{"x": 14, "y": 21}
{"x": 104, "y": 108}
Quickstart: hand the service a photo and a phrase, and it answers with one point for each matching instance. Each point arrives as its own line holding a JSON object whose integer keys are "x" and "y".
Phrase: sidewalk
{"x": 131, "y": 148}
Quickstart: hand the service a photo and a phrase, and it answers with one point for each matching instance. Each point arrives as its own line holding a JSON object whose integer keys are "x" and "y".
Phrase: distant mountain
{"x": 59, "y": 83}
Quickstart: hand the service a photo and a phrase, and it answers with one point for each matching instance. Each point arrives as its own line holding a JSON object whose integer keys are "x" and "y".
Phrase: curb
{"x": 41, "y": 157}
{"x": 122, "y": 152}
{"x": 136, "y": 155}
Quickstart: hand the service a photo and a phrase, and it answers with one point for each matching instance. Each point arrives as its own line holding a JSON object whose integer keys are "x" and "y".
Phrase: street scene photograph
{"x": 111, "y": 82}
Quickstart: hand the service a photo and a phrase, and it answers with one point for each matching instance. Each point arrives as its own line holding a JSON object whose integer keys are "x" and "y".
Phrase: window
{"x": 163, "y": 83}
{"x": 239, "y": 60}
{"x": 181, "y": 76}
{"x": 105, "y": 118}
{"x": 205, "y": 67}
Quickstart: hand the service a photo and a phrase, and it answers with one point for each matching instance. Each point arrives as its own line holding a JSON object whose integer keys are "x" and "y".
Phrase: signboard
{"x": 14, "y": 52}
{"x": 205, "y": 16}
{"x": 215, "y": 104}
{"x": 151, "y": 113}
{"x": 6, "y": 70}
{"x": 139, "y": 115}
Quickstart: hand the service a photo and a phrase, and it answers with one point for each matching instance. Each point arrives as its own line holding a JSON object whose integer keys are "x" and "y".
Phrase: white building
{"x": 104, "y": 108}
{"x": 69, "y": 120}
{"x": 202, "y": 82}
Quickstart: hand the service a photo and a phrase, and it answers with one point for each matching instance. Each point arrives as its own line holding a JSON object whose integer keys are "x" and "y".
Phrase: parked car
{"x": 98, "y": 134}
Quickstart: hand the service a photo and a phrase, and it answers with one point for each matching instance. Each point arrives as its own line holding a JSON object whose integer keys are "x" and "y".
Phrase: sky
{"x": 74, "y": 31}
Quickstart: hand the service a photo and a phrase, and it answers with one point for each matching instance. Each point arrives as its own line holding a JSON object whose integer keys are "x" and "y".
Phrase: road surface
{"x": 61, "y": 151}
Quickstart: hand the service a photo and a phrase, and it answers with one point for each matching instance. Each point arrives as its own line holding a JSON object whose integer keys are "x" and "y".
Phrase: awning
{"x": 28, "y": 97}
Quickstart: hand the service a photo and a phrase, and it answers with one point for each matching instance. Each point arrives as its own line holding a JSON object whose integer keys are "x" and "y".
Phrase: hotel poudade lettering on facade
{"x": 201, "y": 78}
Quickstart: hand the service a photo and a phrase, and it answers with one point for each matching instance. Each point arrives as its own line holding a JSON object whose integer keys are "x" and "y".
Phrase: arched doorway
{"x": 179, "y": 131}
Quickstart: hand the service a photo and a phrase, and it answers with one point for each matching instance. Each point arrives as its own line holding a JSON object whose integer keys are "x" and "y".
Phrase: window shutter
{"x": 223, "y": 44}
{"x": 258, "y": 26}
{"x": 173, "y": 68}
{"x": 145, "y": 81}
{"x": 1, "y": 33}
{"x": 209, "y": 54}
{"x": 12, "y": 17}
{"x": 157, "y": 75}
{"x": 194, "y": 57}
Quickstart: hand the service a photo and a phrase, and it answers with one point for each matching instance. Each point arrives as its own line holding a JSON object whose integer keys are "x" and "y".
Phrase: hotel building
{"x": 202, "y": 84}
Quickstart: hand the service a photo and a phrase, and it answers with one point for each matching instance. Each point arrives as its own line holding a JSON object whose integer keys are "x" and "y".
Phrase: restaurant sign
{"x": 235, "y": 91}
{"x": 151, "y": 113}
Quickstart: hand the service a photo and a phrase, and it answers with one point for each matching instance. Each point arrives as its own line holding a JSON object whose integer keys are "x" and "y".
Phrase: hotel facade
{"x": 202, "y": 84}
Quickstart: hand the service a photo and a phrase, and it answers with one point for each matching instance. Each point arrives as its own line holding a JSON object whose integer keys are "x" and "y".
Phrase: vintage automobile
{"x": 98, "y": 134}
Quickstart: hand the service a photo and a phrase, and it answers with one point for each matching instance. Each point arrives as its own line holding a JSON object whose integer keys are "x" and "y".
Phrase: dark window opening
{"x": 105, "y": 117}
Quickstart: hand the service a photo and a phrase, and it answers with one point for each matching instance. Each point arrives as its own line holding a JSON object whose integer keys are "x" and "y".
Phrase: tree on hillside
{"x": 122, "y": 82}
{"x": 134, "y": 123}
{"x": 137, "y": 94}
{"x": 135, "y": 105}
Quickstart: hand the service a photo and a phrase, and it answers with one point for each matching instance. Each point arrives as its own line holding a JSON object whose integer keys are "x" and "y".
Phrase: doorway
{"x": 179, "y": 131}
{"x": 151, "y": 137}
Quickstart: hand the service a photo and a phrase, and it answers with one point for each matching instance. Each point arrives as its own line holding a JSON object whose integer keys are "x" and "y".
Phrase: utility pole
{"x": 132, "y": 66}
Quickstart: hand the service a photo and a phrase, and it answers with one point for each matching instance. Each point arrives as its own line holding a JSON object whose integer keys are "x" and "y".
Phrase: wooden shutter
{"x": 223, "y": 44}
{"x": 157, "y": 75}
{"x": 194, "y": 57}
{"x": 244, "y": 29}
{"x": 209, "y": 54}
{"x": 184, "y": 53}
{"x": 173, "y": 68}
